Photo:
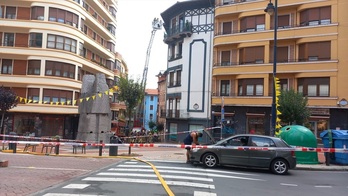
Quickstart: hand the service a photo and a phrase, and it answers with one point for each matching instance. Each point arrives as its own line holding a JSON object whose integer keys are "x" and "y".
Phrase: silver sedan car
{"x": 225, "y": 152}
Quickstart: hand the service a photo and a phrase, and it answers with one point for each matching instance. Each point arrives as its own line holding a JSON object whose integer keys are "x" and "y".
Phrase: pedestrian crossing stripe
{"x": 184, "y": 172}
{"x": 154, "y": 176}
{"x": 76, "y": 186}
{"x": 147, "y": 181}
{"x": 189, "y": 169}
{"x": 200, "y": 193}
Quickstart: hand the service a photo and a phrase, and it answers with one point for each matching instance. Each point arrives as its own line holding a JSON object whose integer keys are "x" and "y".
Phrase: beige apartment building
{"x": 46, "y": 49}
{"x": 311, "y": 58}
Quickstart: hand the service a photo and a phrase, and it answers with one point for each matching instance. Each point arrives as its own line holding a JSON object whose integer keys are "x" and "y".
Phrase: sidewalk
{"x": 150, "y": 153}
{"x": 28, "y": 172}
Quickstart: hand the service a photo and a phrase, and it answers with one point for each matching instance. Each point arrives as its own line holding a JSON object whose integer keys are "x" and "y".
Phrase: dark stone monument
{"x": 95, "y": 113}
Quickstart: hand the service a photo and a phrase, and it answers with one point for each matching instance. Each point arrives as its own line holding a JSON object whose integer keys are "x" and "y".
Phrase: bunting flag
{"x": 277, "y": 94}
{"x": 111, "y": 91}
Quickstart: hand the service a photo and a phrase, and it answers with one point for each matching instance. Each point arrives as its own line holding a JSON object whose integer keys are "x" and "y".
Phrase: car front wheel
{"x": 279, "y": 166}
{"x": 210, "y": 160}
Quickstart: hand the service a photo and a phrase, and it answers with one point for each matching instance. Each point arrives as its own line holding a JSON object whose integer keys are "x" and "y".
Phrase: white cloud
{"x": 133, "y": 33}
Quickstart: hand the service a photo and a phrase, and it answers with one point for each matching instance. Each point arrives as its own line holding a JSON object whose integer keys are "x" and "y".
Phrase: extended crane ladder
{"x": 156, "y": 25}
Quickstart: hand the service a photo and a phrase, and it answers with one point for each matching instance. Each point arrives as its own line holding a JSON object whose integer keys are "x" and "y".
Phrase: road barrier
{"x": 165, "y": 145}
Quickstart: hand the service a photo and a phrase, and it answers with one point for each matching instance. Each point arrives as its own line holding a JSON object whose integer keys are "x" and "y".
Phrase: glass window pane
{"x": 300, "y": 89}
{"x": 259, "y": 89}
{"x": 324, "y": 90}
{"x": 250, "y": 90}
{"x": 312, "y": 90}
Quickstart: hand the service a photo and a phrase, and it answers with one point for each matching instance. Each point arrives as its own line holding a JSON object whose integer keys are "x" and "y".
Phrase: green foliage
{"x": 131, "y": 92}
{"x": 152, "y": 125}
{"x": 8, "y": 99}
{"x": 293, "y": 107}
{"x": 160, "y": 127}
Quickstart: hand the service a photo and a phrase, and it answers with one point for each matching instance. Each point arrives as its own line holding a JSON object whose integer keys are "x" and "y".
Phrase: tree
{"x": 152, "y": 125}
{"x": 293, "y": 107}
{"x": 8, "y": 100}
{"x": 131, "y": 92}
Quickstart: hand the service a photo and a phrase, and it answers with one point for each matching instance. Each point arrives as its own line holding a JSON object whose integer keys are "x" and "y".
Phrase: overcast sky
{"x": 133, "y": 33}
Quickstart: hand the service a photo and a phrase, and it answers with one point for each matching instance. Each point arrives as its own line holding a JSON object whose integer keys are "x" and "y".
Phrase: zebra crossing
{"x": 199, "y": 180}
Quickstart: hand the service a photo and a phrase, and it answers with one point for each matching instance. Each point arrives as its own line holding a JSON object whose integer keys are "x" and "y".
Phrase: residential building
{"x": 150, "y": 107}
{"x": 311, "y": 58}
{"x": 162, "y": 89}
{"x": 46, "y": 48}
{"x": 189, "y": 27}
{"x": 118, "y": 108}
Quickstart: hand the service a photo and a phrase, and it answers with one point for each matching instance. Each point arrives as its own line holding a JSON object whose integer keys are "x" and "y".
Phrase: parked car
{"x": 278, "y": 161}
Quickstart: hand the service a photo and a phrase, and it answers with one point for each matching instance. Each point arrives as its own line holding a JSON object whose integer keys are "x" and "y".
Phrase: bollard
{"x": 14, "y": 147}
{"x": 57, "y": 147}
{"x": 327, "y": 158}
{"x": 129, "y": 150}
{"x": 100, "y": 148}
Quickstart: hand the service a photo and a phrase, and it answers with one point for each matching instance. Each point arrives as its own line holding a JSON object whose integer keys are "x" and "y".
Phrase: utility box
{"x": 337, "y": 139}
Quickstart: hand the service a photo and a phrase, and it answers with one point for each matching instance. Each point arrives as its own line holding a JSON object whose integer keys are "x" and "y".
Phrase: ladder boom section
{"x": 148, "y": 52}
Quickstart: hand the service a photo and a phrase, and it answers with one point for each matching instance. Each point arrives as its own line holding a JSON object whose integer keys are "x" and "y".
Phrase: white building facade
{"x": 189, "y": 34}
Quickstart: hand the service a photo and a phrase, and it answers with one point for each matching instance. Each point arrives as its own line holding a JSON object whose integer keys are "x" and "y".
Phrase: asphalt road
{"x": 136, "y": 178}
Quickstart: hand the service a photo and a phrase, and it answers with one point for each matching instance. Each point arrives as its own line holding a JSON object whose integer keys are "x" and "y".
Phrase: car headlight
{"x": 195, "y": 149}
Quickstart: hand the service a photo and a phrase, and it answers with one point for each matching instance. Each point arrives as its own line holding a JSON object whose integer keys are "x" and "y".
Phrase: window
{"x": 61, "y": 43}
{"x": 112, "y": 29}
{"x": 316, "y": 16}
{"x": 171, "y": 79}
{"x": 251, "y": 55}
{"x": 315, "y": 51}
{"x": 262, "y": 142}
{"x": 225, "y": 88}
{"x": 10, "y": 12}
{"x": 282, "y": 54}
{"x": 34, "y": 67}
{"x": 37, "y": 13}
{"x": 33, "y": 94}
{"x": 151, "y": 107}
{"x": 6, "y": 66}
{"x": 53, "y": 96}
{"x": 225, "y": 58}
{"x": 9, "y": 39}
{"x": 178, "y": 77}
{"x": 314, "y": 87}
{"x": 59, "y": 69}
{"x": 283, "y": 22}
{"x": 226, "y": 28}
{"x": 250, "y": 87}
{"x": 35, "y": 40}
{"x": 252, "y": 23}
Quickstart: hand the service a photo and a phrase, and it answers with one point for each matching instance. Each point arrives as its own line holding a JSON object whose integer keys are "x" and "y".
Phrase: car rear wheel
{"x": 279, "y": 166}
{"x": 210, "y": 160}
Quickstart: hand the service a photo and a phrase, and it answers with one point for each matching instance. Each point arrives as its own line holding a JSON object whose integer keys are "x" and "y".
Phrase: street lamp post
{"x": 273, "y": 10}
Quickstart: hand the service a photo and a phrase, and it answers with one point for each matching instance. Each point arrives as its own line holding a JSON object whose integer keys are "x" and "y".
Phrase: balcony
{"x": 178, "y": 32}
{"x": 183, "y": 114}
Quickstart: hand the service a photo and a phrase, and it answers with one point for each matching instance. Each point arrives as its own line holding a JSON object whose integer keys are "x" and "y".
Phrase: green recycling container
{"x": 296, "y": 135}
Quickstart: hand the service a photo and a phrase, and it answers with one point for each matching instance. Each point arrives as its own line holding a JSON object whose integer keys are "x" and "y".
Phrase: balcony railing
{"x": 224, "y": 3}
{"x": 177, "y": 114}
{"x": 256, "y": 29}
{"x": 308, "y": 59}
{"x": 178, "y": 32}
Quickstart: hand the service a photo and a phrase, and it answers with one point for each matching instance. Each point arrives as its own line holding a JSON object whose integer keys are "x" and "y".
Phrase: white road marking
{"x": 284, "y": 184}
{"x": 188, "y": 169}
{"x": 76, "y": 186}
{"x": 184, "y": 172}
{"x": 65, "y": 194}
{"x": 147, "y": 181}
{"x": 131, "y": 162}
{"x": 154, "y": 176}
{"x": 200, "y": 193}
{"x": 323, "y": 186}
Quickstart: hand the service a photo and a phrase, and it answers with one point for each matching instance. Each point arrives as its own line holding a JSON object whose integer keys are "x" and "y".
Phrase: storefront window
{"x": 256, "y": 125}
